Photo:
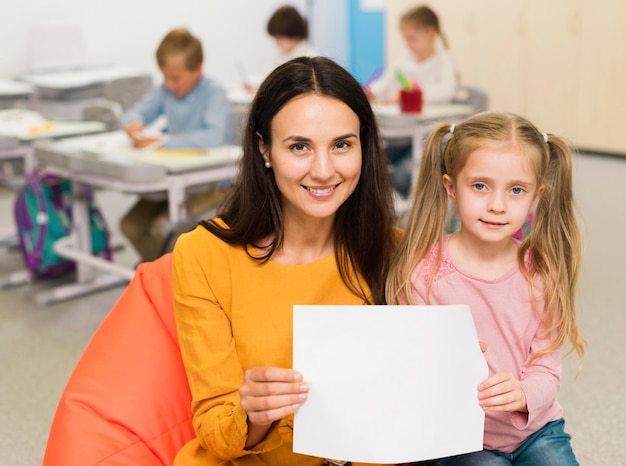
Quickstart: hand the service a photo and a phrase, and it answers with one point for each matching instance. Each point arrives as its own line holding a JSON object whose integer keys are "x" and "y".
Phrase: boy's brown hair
{"x": 180, "y": 42}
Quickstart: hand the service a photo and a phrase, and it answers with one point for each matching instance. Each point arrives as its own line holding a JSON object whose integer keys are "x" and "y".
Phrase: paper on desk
{"x": 388, "y": 384}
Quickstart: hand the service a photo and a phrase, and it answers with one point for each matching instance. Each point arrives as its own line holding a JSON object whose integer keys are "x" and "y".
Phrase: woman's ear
{"x": 448, "y": 184}
{"x": 263, "y": 148}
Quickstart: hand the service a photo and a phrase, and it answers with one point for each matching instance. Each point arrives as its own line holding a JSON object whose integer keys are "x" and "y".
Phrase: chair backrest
{"x": 128, "y": 90}
{"x": 106, "y": 111}
{"x": 128, "y": 400}
{"x": 474, "y": 96}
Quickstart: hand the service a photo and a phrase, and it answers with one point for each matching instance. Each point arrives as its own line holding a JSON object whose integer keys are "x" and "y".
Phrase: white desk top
{"x": 111, "y": 154}
{"x": 66, "y": 80}
{"x": 9, "y": 88}
{"x": 27, "y": 125}
{"x": 390, "y": 115}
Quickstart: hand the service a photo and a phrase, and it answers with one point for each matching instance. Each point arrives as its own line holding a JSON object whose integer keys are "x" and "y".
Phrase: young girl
{"x": 494, "y": 168}
{"x": 290, "y": 31}
{"x": 429, "y": 66}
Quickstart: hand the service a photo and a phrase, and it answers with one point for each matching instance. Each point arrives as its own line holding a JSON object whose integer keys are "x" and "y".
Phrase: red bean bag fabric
{"x": 127, "y": 401}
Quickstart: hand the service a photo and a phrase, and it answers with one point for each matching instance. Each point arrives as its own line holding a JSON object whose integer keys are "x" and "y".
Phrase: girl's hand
{"x": 268, "y": 394}
{"x": 502, "y": 392}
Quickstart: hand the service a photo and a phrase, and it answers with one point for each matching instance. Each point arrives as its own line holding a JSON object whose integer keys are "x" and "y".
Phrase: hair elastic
{"x": 545, "y": 137}
{"x": 452, "y": 126}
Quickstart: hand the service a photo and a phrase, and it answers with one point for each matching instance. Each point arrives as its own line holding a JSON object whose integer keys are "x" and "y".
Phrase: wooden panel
{"x": 602, "y": 98}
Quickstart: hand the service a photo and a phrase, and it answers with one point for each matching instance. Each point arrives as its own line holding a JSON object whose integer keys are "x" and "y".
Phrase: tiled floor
{"x": 40, "y": 345}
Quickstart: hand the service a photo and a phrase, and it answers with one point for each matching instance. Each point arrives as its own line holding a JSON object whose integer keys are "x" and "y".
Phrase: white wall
{"x": 127, "y": 32}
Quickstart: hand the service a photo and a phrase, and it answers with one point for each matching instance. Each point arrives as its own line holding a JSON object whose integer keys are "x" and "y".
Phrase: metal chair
{"x": 472, "y": 95}
{"x": 106, "y": 111}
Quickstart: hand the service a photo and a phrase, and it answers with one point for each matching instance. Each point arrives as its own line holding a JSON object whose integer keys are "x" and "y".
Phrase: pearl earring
{"x": 267, "y": 164}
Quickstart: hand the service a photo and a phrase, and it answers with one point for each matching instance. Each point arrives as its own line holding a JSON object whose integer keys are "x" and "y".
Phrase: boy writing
{"x": 198, "y": 115}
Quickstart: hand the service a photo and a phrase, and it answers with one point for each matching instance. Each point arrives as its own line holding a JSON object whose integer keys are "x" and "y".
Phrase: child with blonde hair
{"x": 429, "y": 66}
{"x": 495, "y": 167}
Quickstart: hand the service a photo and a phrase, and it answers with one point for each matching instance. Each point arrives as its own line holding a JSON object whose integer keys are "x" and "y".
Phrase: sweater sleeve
{"x": 442, "y": 89}
{"x": 541, "y": 381}
{"x": 217, "y": 122}
{"x": 148, "y": 109}
{"x": 208, "y": 349}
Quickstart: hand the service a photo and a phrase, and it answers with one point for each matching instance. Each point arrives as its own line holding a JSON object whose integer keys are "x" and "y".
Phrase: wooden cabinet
{"x": 560, "y": 63}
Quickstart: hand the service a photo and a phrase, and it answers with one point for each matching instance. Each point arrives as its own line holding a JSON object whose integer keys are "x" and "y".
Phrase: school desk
{"x": 77, "y": 83}
{"x": 416, "y": 126}
{"x": 19, "y": 130}
{"x": 13, "y": 93}
{"x": 108, "y": 161}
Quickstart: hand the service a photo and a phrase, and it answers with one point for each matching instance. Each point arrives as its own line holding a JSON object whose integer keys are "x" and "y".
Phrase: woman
{"x": 309, "y": 221}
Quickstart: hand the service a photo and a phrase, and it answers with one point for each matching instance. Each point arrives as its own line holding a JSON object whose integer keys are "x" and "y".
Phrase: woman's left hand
{"x": 502, "y": 392}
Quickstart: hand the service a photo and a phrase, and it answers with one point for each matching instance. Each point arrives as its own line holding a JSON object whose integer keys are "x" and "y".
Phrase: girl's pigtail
{"x": 427, "y": 218}
{"x": 555, "y": 243}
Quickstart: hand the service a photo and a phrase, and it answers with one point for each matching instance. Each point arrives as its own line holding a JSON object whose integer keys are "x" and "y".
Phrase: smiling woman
{"x": 309, "y": 221}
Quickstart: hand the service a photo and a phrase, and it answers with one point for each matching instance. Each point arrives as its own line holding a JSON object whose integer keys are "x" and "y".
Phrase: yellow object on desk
{"x": 181, "y": 152}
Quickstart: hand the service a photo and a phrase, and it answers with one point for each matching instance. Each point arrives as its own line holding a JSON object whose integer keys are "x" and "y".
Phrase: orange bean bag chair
{"x": 127, "y": 401}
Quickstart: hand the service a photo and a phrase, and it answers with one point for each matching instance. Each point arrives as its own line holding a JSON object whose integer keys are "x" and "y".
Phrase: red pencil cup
{"x": 411, "y": 101}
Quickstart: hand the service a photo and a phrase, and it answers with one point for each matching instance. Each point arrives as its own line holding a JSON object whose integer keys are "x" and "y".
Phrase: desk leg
{"x": 176, "y": 202}
{"x": 419, "y": 137}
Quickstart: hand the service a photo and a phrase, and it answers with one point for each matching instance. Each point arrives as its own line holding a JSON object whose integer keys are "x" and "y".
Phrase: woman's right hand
{"x": 269, "y": 394}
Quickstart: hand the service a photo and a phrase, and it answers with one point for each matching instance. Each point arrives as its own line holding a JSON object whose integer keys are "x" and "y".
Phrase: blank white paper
{"x": 388, "y": 384}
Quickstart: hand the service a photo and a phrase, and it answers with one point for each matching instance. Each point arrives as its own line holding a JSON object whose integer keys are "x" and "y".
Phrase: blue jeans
{"x": 549, "y": 446}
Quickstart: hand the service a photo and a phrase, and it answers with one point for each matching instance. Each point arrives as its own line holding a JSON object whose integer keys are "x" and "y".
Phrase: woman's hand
{"x": 502, "y": 392}
{"x": 268, "y": 394}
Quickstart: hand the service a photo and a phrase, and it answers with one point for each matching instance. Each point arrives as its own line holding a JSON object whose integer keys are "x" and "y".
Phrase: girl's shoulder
{"x": 435, "y": 266}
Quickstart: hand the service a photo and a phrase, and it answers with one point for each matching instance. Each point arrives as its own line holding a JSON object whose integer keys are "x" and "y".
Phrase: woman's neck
{"x": 306, "y": 242}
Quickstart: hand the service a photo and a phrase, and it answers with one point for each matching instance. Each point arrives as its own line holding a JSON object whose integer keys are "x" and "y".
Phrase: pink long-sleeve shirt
{"x": 511, "y": 327}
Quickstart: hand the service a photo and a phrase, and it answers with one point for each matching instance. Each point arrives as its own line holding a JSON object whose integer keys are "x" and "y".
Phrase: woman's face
{"x": 315, "y": 154}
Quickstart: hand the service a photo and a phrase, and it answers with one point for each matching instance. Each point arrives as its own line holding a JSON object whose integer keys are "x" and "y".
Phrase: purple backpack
{"x": 43, "y": 214}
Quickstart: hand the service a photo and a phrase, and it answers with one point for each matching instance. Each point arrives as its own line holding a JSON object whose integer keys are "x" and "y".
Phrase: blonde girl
{"x": 494, "y": 168}
{"x": 427, "y": 64}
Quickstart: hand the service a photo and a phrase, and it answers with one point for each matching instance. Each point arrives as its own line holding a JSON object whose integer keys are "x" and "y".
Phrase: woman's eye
{"x": 298, "y": 147}
{"x": 343, "y": 145}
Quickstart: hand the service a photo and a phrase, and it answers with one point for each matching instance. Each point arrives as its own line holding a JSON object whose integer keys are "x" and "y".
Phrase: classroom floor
{"x": 39, "y": 345}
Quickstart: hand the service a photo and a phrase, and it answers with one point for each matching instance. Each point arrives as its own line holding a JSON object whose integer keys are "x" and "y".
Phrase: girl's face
{"x": 286, "y": 44}
{"x": 494, "y": 192}
{"x": 315, "y": 155}
{"x": 420, "y": 40}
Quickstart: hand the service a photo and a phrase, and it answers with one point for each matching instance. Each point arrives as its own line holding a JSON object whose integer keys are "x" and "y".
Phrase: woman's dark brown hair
{"x": 364, "y": 234}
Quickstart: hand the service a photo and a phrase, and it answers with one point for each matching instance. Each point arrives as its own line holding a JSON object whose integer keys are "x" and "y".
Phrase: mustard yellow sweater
{"x": 234, "y": 313}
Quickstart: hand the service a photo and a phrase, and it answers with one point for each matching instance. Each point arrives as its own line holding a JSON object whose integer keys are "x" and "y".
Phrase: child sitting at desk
{"x": 429, "y": 66}
{"x": 290, "y": 31}
{"x": 198, "y": 116}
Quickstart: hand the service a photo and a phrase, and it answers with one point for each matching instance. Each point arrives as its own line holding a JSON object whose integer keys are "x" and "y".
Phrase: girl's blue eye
{"x": 517, "y": 190}
{"x": 479, "y": 186}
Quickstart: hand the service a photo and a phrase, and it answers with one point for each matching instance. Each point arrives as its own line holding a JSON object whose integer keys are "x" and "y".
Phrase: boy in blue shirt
{"x": 198, "y": 115}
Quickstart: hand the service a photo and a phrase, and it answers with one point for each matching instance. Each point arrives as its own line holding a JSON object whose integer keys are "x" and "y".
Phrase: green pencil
{"x": 404, "y": 82}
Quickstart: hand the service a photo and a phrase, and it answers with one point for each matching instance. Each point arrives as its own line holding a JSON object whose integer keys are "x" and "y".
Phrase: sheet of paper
{"x": 388, "y": 384}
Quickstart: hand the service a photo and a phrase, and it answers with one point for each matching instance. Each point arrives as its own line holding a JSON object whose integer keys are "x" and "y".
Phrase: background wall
{"x": 561, "y": 63}
{"x": 127, "y": 32}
